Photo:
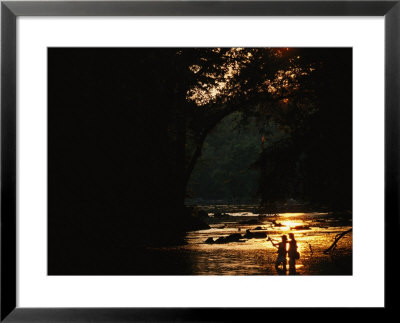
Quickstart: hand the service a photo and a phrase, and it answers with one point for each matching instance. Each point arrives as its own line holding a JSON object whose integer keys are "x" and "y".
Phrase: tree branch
{"x": 215, "y": 118}
{"x": 337, "y": 238}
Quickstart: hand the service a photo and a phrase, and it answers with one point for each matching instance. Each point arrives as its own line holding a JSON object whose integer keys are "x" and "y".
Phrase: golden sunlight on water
{"x": 287, "y": 224}
{"x": 252, "y": 253}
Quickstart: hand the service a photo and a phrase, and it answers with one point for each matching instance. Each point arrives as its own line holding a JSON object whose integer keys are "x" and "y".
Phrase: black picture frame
{"x": 10, "y": 10}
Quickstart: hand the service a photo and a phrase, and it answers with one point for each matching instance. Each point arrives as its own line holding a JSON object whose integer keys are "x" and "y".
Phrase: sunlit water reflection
{"x": 314, "y": 233}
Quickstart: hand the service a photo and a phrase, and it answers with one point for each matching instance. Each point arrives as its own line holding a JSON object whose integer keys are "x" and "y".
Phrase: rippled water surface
{"x": 314, "y": 233}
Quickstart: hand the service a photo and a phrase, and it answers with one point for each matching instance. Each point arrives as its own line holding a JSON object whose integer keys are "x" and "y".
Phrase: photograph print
{"x": 200, "y": 161}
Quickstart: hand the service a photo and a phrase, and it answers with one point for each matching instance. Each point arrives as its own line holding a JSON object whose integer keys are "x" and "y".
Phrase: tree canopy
{"x": 302, "y": 95}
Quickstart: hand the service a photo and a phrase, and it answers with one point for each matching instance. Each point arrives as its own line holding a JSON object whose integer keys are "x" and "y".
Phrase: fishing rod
{"x": 276, "y": 241}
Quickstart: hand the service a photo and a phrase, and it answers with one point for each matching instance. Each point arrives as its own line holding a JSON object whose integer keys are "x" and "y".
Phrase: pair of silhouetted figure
{"x": 282, "y": 251}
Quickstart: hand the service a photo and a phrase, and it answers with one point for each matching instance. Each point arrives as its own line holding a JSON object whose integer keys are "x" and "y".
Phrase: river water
{"x": 314, "y": 233}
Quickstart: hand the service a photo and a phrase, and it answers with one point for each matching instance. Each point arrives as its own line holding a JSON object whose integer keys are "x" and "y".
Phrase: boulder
{"x": 220, "y": 240}
{"x": 252, "y": 221}
{"x": 259, "y": 235}
{"x": 193, "y": 223}
{"x": 202, "y": 214}
{"x": 254, "y": 235}
{"x": 277, "y": 224}
{"x": 234, "y": 237}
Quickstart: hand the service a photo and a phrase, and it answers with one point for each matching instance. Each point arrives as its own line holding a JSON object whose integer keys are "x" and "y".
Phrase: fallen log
{"x": 337, "y": 238}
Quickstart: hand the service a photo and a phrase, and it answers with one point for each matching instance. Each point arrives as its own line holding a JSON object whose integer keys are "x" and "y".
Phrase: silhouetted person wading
{"x": 293, "y": 254}
{"x": 281, "y": 259}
